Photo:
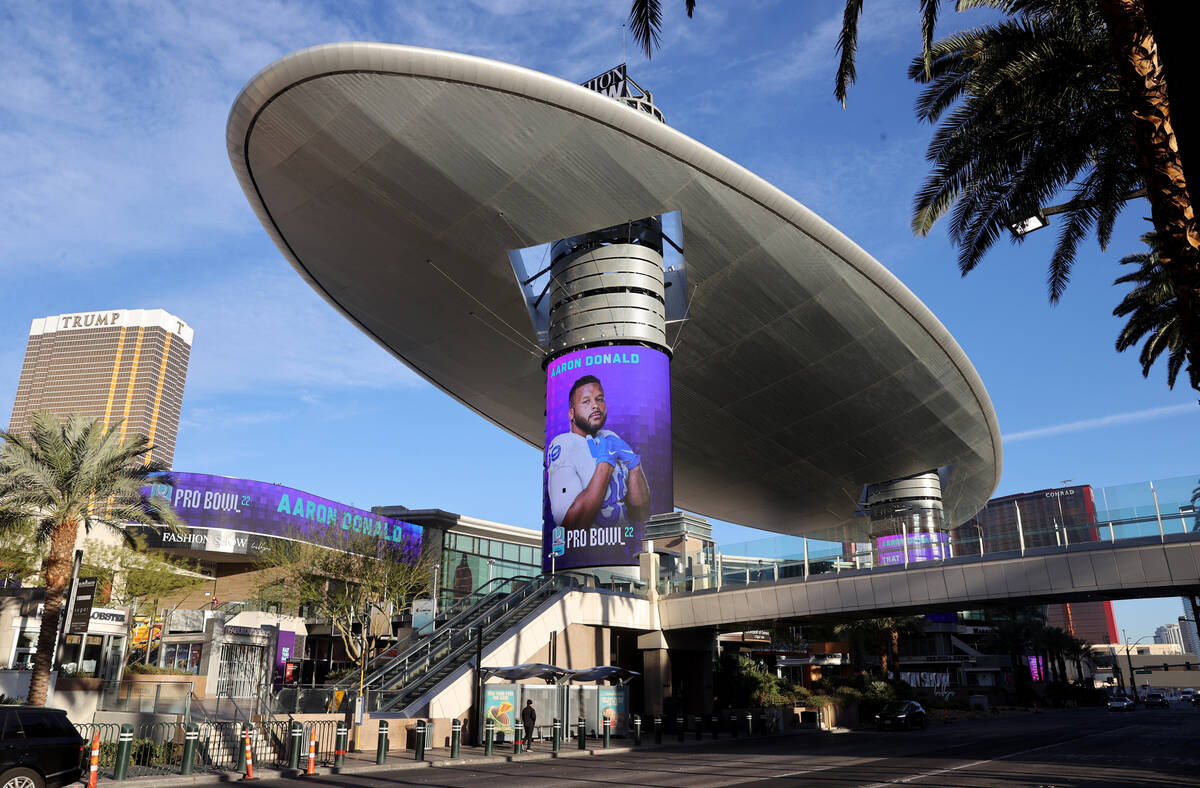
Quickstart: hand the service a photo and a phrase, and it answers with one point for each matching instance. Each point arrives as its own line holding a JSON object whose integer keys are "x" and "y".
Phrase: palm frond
{"x": 645, "y": 22}
{"x": 847, "y": 49}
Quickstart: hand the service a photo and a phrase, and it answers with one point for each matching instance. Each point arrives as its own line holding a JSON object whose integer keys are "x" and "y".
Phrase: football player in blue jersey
{"x": 594, "y": 477}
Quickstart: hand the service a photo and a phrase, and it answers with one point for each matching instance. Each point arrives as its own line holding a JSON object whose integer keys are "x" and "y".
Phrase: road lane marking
{"x": 948, "y": 769}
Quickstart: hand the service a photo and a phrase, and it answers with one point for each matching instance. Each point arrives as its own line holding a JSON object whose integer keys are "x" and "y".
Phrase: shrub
{"x": 138, "y": 669}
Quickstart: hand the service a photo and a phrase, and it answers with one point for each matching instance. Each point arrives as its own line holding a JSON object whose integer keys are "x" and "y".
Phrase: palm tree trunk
{"x": 58, "y": 575}
{"x": 894, "y": 650}
{"x": 1171, "y": 208}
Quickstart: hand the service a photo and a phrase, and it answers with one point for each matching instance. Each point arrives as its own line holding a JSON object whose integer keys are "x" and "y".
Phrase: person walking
{"x": 528, "y": 719}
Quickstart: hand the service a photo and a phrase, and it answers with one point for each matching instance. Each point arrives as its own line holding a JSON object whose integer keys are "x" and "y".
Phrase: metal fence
{"x": 157, "y": 748}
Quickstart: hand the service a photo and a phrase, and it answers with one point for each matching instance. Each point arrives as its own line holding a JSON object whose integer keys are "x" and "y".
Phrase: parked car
{"x": 39, "y": 748}
{"x": 905, "y": 714}
{"x": 1120, "y": 703}
{"x": 1157, "y": 700}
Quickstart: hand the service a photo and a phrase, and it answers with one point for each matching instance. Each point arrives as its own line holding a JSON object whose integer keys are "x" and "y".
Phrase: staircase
{"x": 404, "y": 678}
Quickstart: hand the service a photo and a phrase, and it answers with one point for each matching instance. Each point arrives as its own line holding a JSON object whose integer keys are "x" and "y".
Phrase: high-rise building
{"x": 120, "y": 365}
{"x": 1188, "y": 629}
{"x": 1059, "y": 516}
{"x": 1169, "y": 635}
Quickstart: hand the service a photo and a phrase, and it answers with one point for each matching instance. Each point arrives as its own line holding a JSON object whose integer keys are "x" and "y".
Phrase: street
{"x": 1088, "y": 747}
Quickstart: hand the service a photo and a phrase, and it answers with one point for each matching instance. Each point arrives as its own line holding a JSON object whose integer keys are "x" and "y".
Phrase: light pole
{"x": 1129, "y": 661}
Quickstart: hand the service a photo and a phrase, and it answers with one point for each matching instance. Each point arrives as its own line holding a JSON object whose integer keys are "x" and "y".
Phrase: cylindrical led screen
{"x": 608, "y": 454}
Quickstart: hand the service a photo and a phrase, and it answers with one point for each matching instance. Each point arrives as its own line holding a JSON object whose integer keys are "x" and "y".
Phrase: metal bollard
{"x": 680, "y": 727}
{"x": 657, "y": 729}
{"x": 420, "y": 730}
{"x": 518, "y": 739}
{"x": 124, "y": 746}
{"x": 191, "y": 733}
{"x": 455, "y": 738}
{"x": 489, "y": 736}
{"x": 762, "y": 722}
{"x": 749, "y": 724}
{"x": 698, "y": 721}
{"x": 581, "y": 732}
{"x": 382, "y": 747}
{"x": 637, "y": 730}
{"x": 339, "y": 745}
{"x": 295, "y": 740}
{"x": 733, "y": 724}
{"x": 716, "y": 726}
{"x": 606, "y": 727}
{"x": 556, "y": 741}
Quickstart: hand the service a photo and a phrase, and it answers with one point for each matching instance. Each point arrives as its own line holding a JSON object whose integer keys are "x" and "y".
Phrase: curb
{"x": 213, "y": 778}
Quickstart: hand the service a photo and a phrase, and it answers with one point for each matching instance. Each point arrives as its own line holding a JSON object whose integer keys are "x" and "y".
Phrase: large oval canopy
{"x": 396, "y": 180}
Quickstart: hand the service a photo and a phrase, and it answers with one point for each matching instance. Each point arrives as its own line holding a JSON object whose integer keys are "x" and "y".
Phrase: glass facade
{"x": 471, "y": 562}
{"x": 183, "y": 656}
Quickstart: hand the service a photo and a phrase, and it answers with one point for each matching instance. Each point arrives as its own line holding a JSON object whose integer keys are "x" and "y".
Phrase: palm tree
{"x": 1014, "y": 635}
{"x": 884, "y": 635}
{"x": 62, "y": 476}
{"x": 1133, "y": 81}
{"x": 1028, "y": 107}
{"x": 1153, "y": 312}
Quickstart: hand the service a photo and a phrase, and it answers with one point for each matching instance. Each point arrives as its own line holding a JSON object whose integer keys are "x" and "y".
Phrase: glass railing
{"x": 1157, "y": 511}
{"x": 147, "y": 697}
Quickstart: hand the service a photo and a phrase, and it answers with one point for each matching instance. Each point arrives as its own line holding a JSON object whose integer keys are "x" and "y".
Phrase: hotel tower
{"x": 119, "y": 365}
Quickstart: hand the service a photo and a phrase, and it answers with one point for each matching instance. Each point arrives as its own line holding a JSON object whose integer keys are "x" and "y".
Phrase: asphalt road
{"x": 1054, "y": 749}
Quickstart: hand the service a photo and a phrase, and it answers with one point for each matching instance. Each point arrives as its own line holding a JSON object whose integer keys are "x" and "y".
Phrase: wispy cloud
{"x": 1114, "y": 420}
{"x": 264, "y": 330}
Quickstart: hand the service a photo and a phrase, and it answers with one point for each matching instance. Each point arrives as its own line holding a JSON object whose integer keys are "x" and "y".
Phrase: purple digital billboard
{"x": 922, "y": 546}
{"x": 228, "y": 515}
{"x": 607, "y": 464}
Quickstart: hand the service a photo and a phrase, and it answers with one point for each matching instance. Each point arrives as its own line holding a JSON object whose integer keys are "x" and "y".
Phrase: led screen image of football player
{"x": 607, "y": 461}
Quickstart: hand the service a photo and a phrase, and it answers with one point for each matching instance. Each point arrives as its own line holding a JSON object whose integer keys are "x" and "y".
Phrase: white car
{"x": 1187, "y": 695}
{"x": 1120, "y": 703}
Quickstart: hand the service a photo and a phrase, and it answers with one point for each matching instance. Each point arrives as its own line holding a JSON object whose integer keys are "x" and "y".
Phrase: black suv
{"x": 39, "y": 748}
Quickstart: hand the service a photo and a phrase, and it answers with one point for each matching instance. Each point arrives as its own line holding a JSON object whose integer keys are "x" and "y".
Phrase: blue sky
{"x": 118, "y": 193}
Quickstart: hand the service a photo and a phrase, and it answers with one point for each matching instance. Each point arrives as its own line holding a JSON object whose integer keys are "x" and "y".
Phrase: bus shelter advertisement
{"x": 608, "y": 454}
{"x": 230, "y": 515}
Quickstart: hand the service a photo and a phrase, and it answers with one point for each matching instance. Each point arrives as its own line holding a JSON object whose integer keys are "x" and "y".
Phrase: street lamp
{"x": 1021, "y": 227}
{"x": 1129, "y": 661}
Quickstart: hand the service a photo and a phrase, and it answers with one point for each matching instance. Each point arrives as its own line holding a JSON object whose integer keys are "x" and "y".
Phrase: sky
{"x": 117, "y": 193}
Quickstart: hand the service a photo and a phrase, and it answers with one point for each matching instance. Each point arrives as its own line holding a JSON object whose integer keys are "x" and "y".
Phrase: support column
{"x": 608, "y": 425}
{"x": 656, "y": 672}
{"x": 907, "y": 522}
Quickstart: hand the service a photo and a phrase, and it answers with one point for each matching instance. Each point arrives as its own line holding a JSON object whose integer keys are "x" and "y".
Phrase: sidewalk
{"x": 364, "y": 762}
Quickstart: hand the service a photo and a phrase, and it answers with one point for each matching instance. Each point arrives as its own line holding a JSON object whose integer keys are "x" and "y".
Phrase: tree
{"x": 883, "y": 634}
{"x": 138, "y": 579}
{"x": 344, "y": 576}
{"x": 1014, "y": 635}
{"x": 1134, "y": 80}
{"x": 63, "y": 476}
{"x": 19, "y": 554}
{"x": 1152, "y": 313}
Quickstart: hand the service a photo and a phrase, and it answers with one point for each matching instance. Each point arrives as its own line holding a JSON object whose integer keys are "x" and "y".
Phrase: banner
{"x": 614, "y": 704}
{"x": 226, "y": 513}
{"x": 500, "y": 706}
{"x": 607, "y": 463}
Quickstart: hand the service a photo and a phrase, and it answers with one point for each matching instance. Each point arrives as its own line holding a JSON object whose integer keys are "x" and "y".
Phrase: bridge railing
{"x": 814, "y": 558}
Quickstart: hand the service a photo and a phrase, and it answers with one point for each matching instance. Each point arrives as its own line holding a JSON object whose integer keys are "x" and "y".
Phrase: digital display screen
{"x": 607, "y": 463}
{"x": 922, "y": 546}
{"x": 233, "y": 515}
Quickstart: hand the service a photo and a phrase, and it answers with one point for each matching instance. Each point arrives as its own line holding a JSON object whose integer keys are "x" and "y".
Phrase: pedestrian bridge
{"x": 1151, "y": 566}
